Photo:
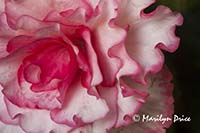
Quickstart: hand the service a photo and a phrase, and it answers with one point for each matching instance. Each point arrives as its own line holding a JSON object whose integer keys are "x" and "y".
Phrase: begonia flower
{"x": 70, "y": 66}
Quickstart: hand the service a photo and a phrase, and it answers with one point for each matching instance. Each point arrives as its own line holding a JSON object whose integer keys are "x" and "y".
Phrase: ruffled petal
{"x": 123, "y": 103}
{"x": 35, "y": 120}
{"x": 21, "y": 94}
{"x": 81, "y": 41}
{"x": 4, "y": 116}
{"x": 159, "y": 102}
{"x": 9, "y": 66}
{"x": 41, "y": 8}
{"x": 108, "y": 43}
{"x": 160, "y": 90}
{"x": 129, "y": 11}
{"x": 92, "y": 59}
{"x": 31, "y": 26}
{"x": 28, "y": 30}
{"x": 148, "y": 33}
{"x": 5, "y": 128}
{"x": 79, "y": 108}
{"x": 28, "y": 98}
{"x": 129, "y": 103}
{"x": 6, "y": 33}
{"x": 97, "y": 41}
{"x": 16, "y": 9}
{"x": 54, "y": 59}
{"x": 128, "y": 65}
{"x": 110, "y": 94}
{"x": 18, "y": 42}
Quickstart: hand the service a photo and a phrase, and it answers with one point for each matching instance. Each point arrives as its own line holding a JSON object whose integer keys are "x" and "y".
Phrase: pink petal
{"x": 76, "y": 12}
{"x": 29, "y": 30}
{"x": 93, "y": 3}
{"x": 2, "y": 6}
{"x": 55, "y": 59}
{"x": 129, "y": 102}
{"x": 22, "y": 95}
{"x": 3, "y": 51}
{"x": 4, "y": 116}
{"x": 161, "y": 90}
{"x": 35, "y": 120}
{"x": 128, "y": 66}
{"x": 44, "y": 100}
{"x": 79, "y": 37}
{"x": 123, "y": 103}
{"x": 69, "y": 17}
{"x": 5, "y": 128}
{"x": 160, "y": 101}
{"x": 92, "y": 59}
{"x": 6, "y": 33}
{"x": 30, "y": 26}
{"x": 148, "y": 33}
{"x": 32, "y": 73}
{"x": 16, "y": 9}
{"x": 79, "y": 107}
{"x": 9, "y": 66}
{"x": 18, "y": 42}
{"x": 108, "y": 42}
{"x": 105, "y": 124}
{"x": 129, "y": 11}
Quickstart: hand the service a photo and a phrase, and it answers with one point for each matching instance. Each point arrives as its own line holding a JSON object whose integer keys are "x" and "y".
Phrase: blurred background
{"x": 185, "y": 65}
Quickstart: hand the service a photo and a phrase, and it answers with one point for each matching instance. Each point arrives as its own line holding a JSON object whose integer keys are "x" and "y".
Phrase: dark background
{"x": 185, "y": 65}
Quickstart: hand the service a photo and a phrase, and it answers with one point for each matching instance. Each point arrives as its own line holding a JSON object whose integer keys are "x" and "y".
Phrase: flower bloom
{"x": 84, "y": 65}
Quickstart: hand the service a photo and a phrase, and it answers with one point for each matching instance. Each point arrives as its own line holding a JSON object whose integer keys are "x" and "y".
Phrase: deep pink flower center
{"x": 51, "y": 62}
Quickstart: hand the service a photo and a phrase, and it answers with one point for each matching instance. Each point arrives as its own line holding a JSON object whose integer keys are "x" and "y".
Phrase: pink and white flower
{"x": 84, "y": 65}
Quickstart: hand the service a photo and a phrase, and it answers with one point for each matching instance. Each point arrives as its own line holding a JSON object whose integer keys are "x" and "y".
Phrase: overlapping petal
{"x": 123, "y": 103}
{"x": 4, "y": 115}
{"x": 34, "y": 120}
{"x": 129, "y": 103}
{"x": 5, "y": 128}
{"x": 6, "y": 33}
{"x": 74, "y": 66}
{"x": 17, "y": 9}
{"x": 116, "y": 61}
{"x": 80, "y": 38}
{"x": 148, "y": 33}
{"x": 159, "y": 102}
{"x": 79, "y": 108}
{"x": 22, "y": 95}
